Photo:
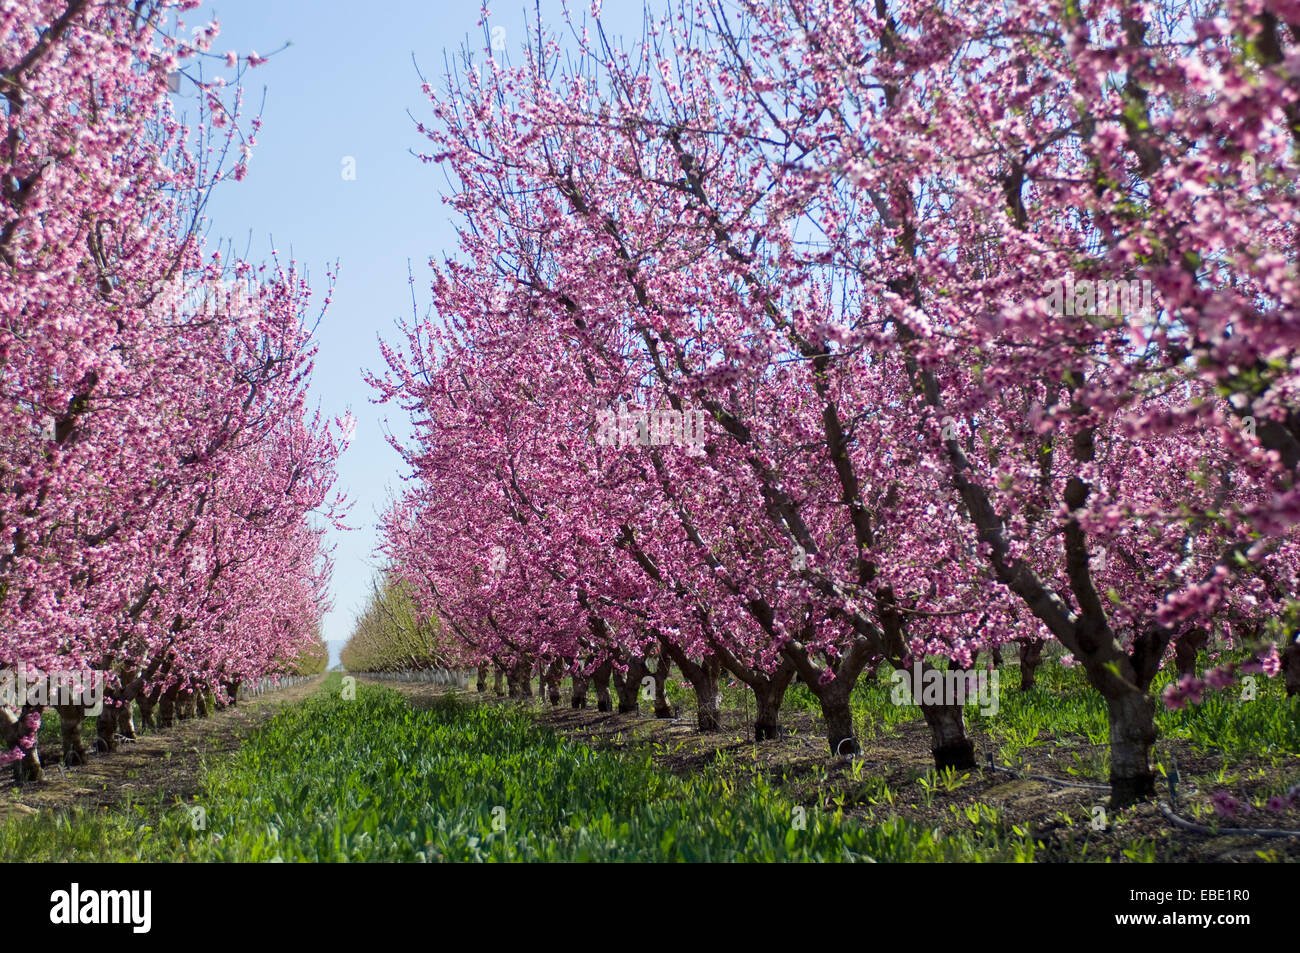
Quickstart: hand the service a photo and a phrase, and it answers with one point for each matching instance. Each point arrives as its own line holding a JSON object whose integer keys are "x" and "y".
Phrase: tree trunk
{"x": 28, "y": 768}
{"x": 70, "y": 720}
{"x": 703, "y": 677}
{"x": 554, "y": 674}
{"x": 580, "y": 683}
{"x": 109, "y": 725}
{"x": 124, "y": 716}
{"x": 1132, "y": 733}
{"x": 662, "y": 707}
{"x": 948, "y": 742}
{"x": 496, "y": 682}
{"x": 1186, "y": 648}
{"x": 767, "y": 717}
{"x": 521, "y": 679}
{"x": 769, "y": 692}
{"x": 231, "y": 691}
{"x": 480, "y": 685}
{"x": 708, "y": 699}
{"x": 201, "y": 708}
{"x": 115, "y": 718}
{"x": 628, "y": 686}
{"x": 602, "y": 686}
{"x": 833, "y": 695}
{"x": 838, "y": 715}
{"x": 1291, "y": 668}
{"x": 148, "y": 709}
{"x": 1031, "y": 656}
{"x": 167, "y": 708}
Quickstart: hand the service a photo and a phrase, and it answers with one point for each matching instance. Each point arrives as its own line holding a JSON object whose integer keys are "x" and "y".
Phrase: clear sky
{"x": 342, "y": 91}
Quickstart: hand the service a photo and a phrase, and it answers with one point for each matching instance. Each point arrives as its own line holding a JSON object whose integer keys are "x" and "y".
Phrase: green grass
{"x": 1062, "y": 705}
{"x": 375, "y": 780}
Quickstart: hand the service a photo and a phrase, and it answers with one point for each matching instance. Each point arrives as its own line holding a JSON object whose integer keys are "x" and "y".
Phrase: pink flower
{"x": 232, "y": 59}
{"x": 1220, "y": 677}
{"x": 1279, "y": 804}
{"x": 1173, "y": 697}
{"x": 1225, "y": 805}
{"x": 1192, "y": 688}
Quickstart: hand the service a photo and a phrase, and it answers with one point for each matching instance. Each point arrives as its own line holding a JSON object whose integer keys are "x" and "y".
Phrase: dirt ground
{"x": 161, "y": 762}
{"x": 1058, "y": 814}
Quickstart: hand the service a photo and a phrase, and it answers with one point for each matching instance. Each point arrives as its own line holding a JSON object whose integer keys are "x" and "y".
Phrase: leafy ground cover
{"x": 428, "y": 774}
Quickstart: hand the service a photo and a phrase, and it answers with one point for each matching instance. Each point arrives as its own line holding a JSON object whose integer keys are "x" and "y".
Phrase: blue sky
{"x": 342, "y": 90}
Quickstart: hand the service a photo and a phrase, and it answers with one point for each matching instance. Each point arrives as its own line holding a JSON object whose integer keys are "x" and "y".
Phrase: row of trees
{"x": 391, "y": 634}
{"x": 164, "y": 487}
{"x": 992, "y": 309}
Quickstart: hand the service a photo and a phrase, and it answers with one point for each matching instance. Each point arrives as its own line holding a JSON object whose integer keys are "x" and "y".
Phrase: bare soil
{"x": 157, "y": 763}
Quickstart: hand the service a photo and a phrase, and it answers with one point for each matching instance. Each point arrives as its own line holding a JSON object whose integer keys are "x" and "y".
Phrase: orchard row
{"x": 163, "y": 486}
{"x": 845, "y": 231}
